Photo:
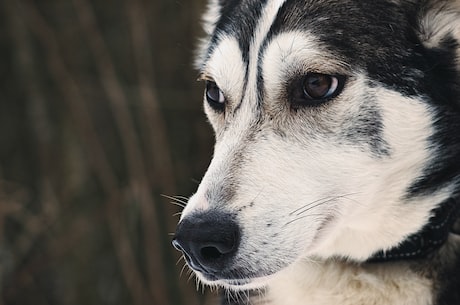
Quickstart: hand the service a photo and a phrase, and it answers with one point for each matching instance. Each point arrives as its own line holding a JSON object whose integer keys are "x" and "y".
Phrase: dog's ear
{"x": 439, "y": 25}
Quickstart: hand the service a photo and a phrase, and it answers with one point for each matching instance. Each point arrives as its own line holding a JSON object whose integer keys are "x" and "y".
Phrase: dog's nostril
{"x": 210, "y": 253}
{"x": 217, "y": 249}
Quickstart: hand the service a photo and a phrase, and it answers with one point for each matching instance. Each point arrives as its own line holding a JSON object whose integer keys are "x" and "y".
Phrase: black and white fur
{"x": 299, "y": 197}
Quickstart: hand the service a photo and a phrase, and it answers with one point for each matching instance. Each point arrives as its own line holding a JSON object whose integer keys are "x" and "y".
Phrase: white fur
{"x": 327, "y": 283}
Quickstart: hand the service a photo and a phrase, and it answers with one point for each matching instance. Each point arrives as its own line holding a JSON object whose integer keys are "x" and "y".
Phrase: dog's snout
{"x": 208, "y": 241}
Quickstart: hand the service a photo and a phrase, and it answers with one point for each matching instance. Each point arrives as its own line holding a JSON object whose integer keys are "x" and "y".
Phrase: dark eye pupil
{"x": 317, "y": 85}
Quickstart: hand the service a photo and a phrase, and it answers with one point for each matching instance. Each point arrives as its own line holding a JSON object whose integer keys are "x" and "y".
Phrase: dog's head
{"x": 337, "y": 132}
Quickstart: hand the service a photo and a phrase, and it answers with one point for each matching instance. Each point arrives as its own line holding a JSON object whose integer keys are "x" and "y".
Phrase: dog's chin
{"x": 237, "y": 284}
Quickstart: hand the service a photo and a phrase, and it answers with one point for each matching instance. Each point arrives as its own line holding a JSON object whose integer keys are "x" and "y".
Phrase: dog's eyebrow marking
{"x": 251, "y": 85}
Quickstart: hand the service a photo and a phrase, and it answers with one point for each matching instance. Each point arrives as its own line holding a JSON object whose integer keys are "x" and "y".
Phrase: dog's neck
{"x": 430, "y": 238}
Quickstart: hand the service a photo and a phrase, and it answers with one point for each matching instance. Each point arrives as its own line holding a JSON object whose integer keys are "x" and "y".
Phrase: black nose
{"x": 208, "y": 241}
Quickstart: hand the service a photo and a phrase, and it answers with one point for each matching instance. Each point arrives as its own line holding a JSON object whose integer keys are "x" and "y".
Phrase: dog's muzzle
{"x": 209, "y": 241}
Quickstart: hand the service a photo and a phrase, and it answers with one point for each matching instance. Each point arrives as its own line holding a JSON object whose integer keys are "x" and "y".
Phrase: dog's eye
{"x": 317, "y": 88}
{"x": 215, "y": 96}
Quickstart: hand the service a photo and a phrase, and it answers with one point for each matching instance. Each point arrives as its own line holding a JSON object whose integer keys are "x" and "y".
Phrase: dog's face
{"x": 328, "y": 134}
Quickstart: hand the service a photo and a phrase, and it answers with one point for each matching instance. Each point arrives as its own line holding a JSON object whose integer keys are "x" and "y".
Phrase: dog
{"x": 335, "y": 177}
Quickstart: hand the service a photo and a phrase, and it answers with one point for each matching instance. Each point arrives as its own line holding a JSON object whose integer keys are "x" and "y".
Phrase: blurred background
{"x": 102, "y": 138}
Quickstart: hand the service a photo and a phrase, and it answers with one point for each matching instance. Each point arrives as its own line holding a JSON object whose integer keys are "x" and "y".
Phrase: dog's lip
{"x": 223, "y": 277}
{"x": 238, "y": 285}
{"x": 244, "y": 283}
{"x": 248, "y": 283}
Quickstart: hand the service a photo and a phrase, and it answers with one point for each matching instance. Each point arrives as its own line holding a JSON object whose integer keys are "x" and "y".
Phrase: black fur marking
{"x": 378, "y": 39}
{"x": 260, "y": 81}
{"x": 239, "y": 19}
{"x": 367, "y": 130}
{"x": 449, "y": 283}
{"x": 442, "y": 86}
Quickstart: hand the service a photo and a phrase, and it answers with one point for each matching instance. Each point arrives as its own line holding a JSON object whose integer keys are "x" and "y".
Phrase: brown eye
{"x": 316, "y": 88}
{"x": 319, "y": 86}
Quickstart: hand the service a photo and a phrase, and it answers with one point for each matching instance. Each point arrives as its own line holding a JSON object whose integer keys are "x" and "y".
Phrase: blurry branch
{"x": 13, "y": 205}
{"x": 113, "y": 89}
{"x": 154, "y": 124}
{"x": 96, "y": 154}
{"x": 36, "y": 108}
{"x": 135, "y": 159}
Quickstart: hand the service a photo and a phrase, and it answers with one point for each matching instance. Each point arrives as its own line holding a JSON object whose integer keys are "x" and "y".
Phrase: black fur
{"x": 239, "y": 20}
{"x": 449, "y": 284}
{"x": 442, "y": 86}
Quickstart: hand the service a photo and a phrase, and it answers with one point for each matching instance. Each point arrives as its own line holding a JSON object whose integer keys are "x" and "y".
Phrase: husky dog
{"x": 335, "y": 178}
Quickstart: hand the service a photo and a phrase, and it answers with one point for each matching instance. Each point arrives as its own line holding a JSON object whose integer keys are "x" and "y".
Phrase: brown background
{"x": 100, "y": 115}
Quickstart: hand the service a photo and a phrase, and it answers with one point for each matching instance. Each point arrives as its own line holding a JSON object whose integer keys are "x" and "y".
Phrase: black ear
{"x": 439, "y": 25}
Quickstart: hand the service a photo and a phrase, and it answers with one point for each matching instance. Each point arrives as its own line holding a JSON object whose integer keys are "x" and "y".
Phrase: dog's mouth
{"x": 213, "y": 251}
{"x": 248, "y": 283}
{"x": 235, "y": 280}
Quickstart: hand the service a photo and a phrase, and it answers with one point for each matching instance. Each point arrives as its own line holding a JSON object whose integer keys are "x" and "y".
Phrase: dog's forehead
{"x": 365, "y": 34}
{"x": 360, "y": 31}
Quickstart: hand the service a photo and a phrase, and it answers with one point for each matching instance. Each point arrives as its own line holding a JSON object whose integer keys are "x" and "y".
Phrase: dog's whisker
{"x": 321, "y": 201}
{"x": 302, "y": 207}
{"x": 314, "y": 203}
{"x": 191, "y": 276}
{"x": 180, "y": 259}
{"x": 197, "y": 281}
{"x": 307, "y": 209}
{"x": 258, "y": 194}
{"x": 184, "y": 268}
{"x": 184, "y": 198}
{"x": 179, "y": 204}
{"x": 353, "y": 200}
{"x": 300, "y": 218}
{"x": 177, "y": 200}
